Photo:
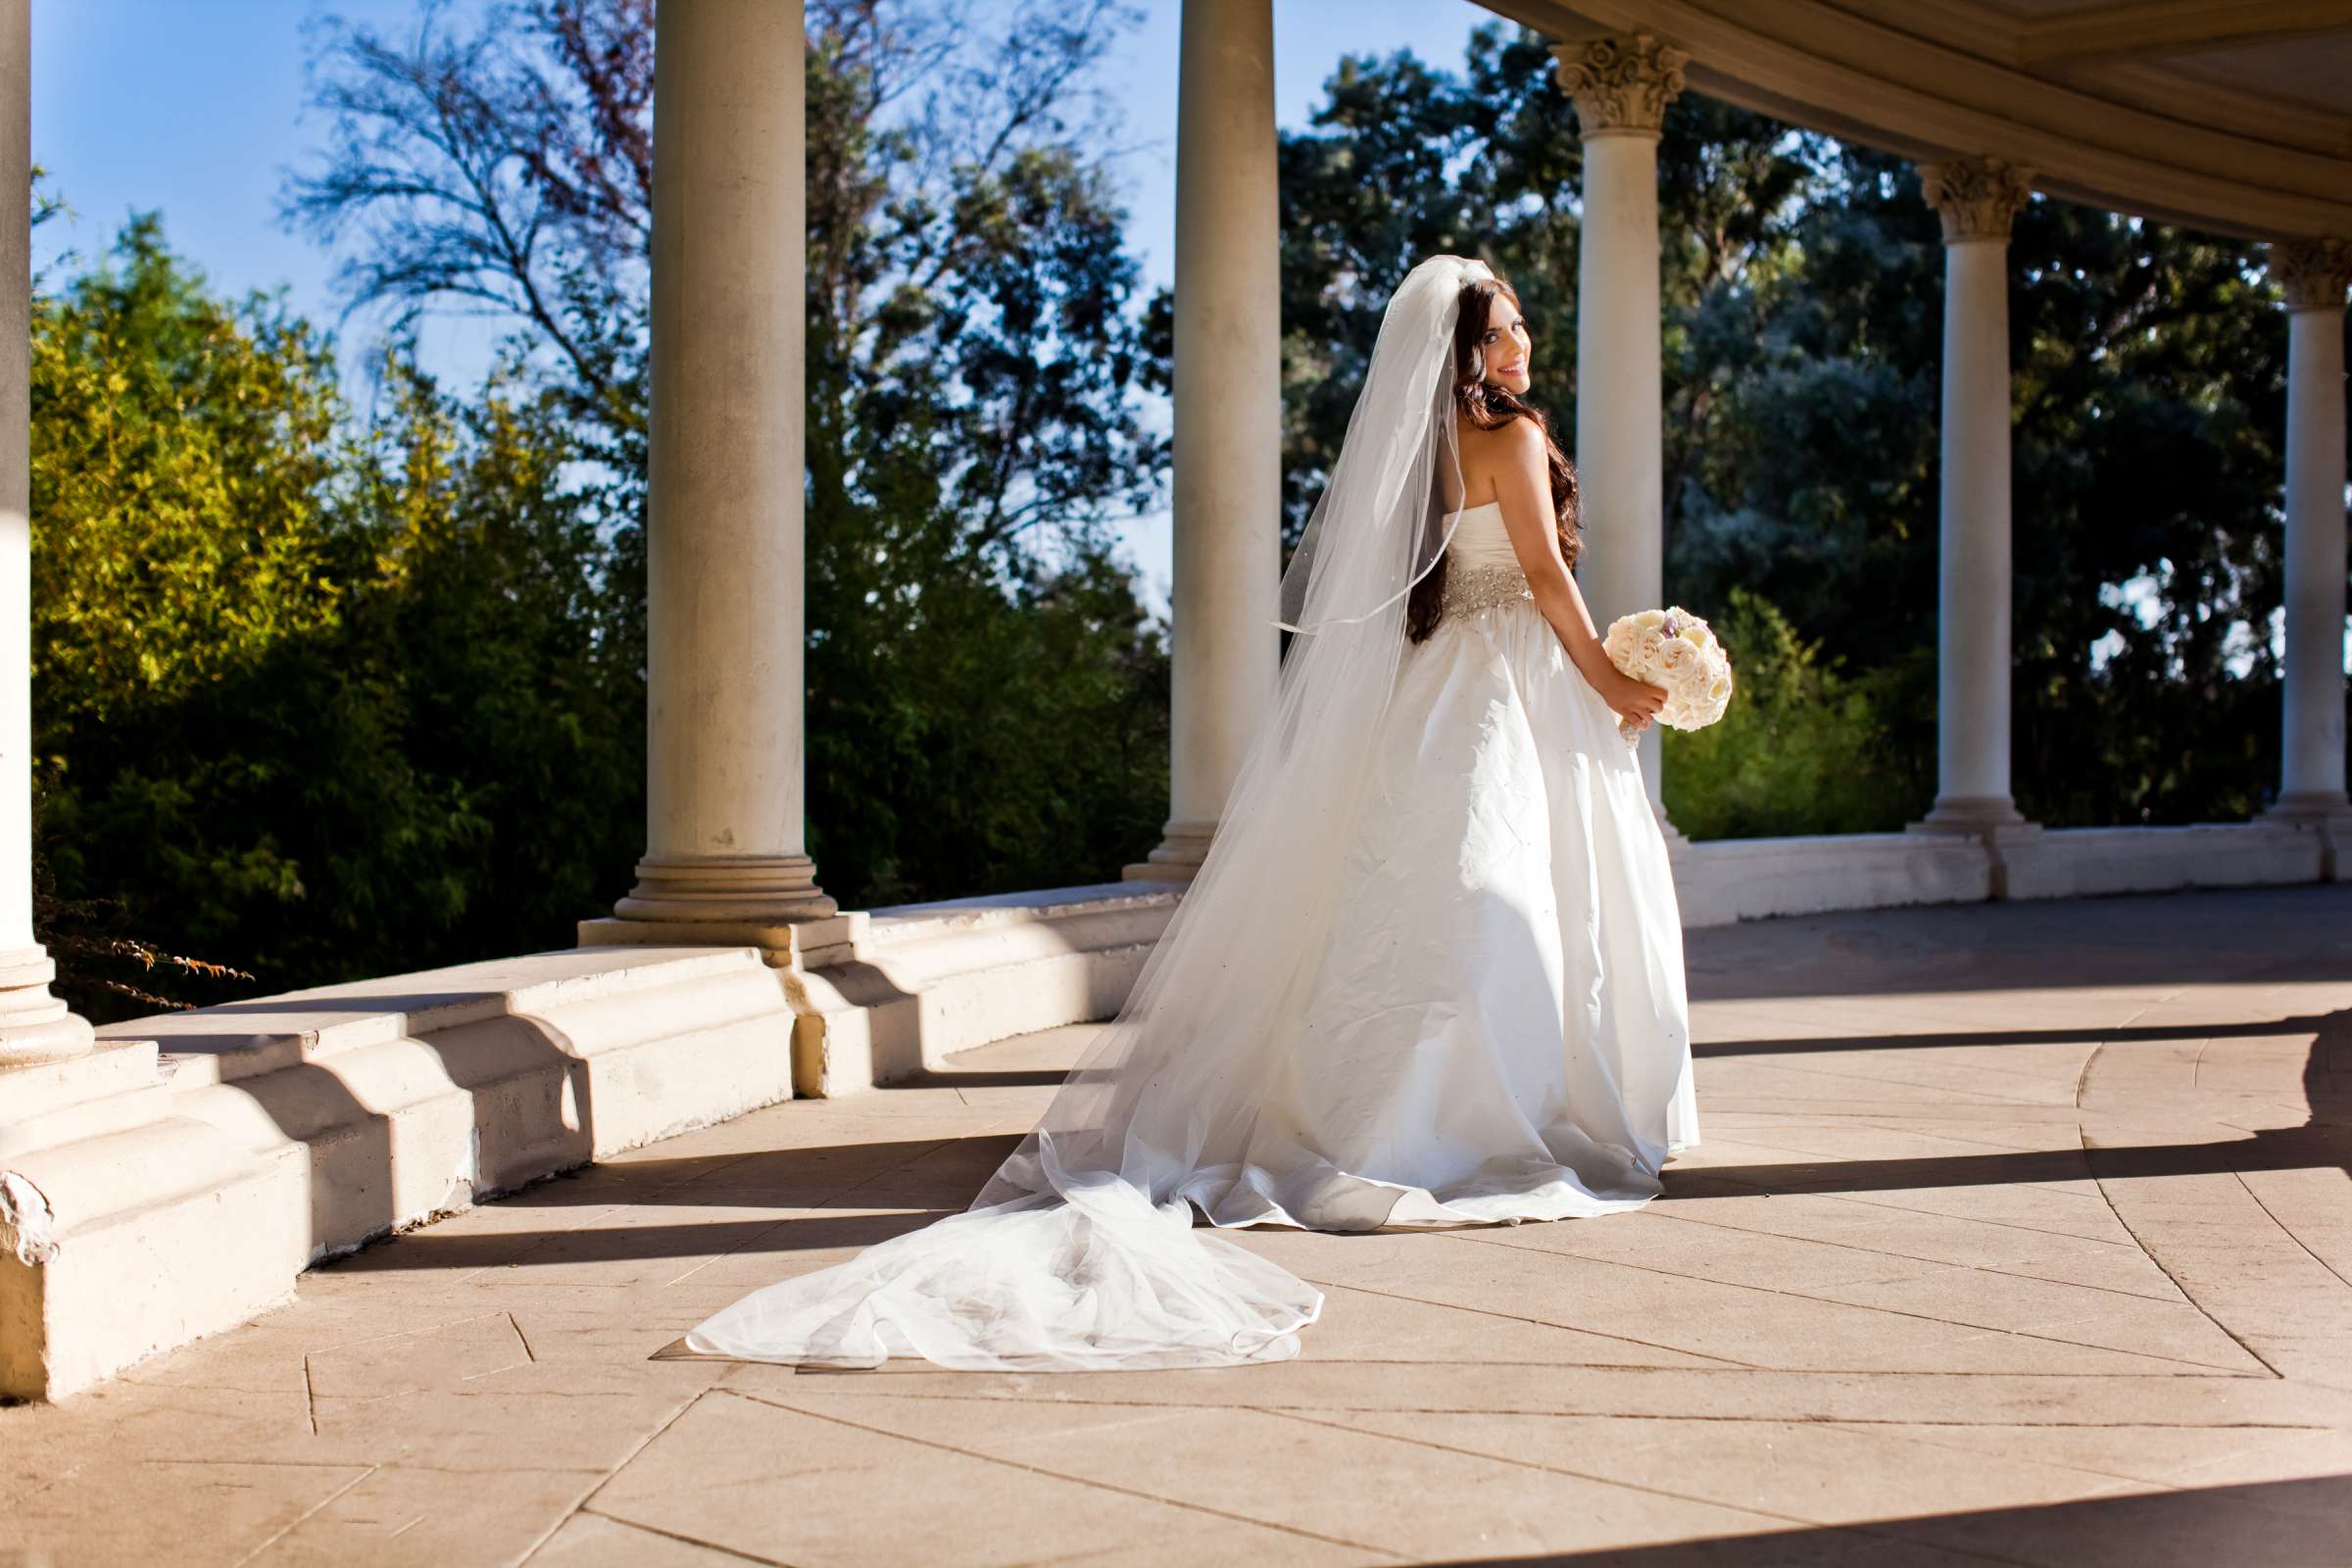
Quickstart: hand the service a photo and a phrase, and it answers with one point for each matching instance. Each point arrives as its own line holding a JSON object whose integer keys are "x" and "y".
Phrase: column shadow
{"x": 2286, "y": 1522}
{"x": 2323, "y": 1139}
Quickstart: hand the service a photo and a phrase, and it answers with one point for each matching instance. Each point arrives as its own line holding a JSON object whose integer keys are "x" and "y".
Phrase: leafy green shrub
{"x": 312, "y": 698}
{"x": 1804, "y": 746}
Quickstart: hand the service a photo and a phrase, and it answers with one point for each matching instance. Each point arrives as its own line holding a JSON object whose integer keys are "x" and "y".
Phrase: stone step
{"x": 283, "y": 1131}
{"x": 931, "y": 979}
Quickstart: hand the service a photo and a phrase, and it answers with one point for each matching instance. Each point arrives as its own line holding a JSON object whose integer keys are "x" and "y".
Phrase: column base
{"x": 1981, "y": 814}
{"x": 770, "y": 901}
{"x": 1992, "y": 819}
{"x": 785, "y": 944}
{"x": 2308, "y": 805}
{"x": 35, "y": 1027}
{"x": 726, "y": 887}
{"x": 1182, "y": 850}
{"x": 2326, "y": 813}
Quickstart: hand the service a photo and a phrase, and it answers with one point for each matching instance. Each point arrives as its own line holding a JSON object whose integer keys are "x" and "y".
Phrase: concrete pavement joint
{"x": 1891, "y": 1311}
{"x": 1914, "y": 1258}
{"x": 1532, "y": 1322}
{"x": 2151, "y": 1254}
{"x": 672, "y": 1535}
{"x": 1075, "y": 1480}
{"x": 2287, "y": 1230}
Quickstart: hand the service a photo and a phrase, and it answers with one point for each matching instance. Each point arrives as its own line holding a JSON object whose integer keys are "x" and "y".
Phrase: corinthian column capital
{"x": 1977, "y": 197}
{"x": 2314, "y": 272}
{"x": 1621, "y": 85}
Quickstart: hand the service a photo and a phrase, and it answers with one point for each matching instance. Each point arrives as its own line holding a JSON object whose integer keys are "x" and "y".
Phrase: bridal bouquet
{"x": 1674, "y": 649}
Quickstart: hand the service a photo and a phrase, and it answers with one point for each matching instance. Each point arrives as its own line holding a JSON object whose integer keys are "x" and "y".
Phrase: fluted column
{"x": 1228, "y": 417}
{"x": 35, "y": 1027}
{"x": 2313, "y": 274}
{"x": 1978, "y": 198}
{"x": 1621, "y": 86}
{"x": 725, "y": 842}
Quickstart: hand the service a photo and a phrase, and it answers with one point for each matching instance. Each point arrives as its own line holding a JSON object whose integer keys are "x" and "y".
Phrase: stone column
{"x": 725, "y": 847}
{"x": 1977, "y": 199}
{"x": 35, "y": 1027}
{"x": 1228, "y": 418}
{"x": 2315, "y": 274}
{"x": 1622, "y": 86}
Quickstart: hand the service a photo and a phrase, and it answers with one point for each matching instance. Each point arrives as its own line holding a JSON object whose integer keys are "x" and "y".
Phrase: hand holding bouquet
{"x": 1676, "y": 649}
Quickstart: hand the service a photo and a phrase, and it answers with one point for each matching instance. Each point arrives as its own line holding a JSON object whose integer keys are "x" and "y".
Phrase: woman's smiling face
{"x": 1504, "y": 343}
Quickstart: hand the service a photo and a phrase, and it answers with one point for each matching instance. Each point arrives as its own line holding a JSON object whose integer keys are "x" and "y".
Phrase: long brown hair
{"x": 1487, "y": 407}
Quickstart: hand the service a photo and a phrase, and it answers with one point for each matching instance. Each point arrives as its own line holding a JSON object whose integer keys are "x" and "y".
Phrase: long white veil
{"x": 1080, "y": 1254}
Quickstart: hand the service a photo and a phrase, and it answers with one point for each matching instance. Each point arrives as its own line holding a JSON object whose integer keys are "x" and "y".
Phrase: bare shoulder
{"x": 1486, "y": 454}
{"x": 1508, "y": 439}
{"x": 1522, "y": 439}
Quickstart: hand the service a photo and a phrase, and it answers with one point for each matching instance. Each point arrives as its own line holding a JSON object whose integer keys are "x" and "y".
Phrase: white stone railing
{"x": 1723, "y": 880}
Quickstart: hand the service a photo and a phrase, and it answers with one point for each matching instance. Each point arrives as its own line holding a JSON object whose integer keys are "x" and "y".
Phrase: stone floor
{"x": 2021, "y": 1234}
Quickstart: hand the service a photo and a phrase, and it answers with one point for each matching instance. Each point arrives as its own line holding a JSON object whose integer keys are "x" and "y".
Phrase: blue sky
{"x": 196, "y": 108}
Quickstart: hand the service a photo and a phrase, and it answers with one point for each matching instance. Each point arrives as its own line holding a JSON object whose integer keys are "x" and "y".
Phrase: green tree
{"x": 977, "y": 355}
{"x": 1803, "y": 748}
{"x": 509, "y": 644}
{"x": 987, "y": 706}
{"x": 315, "y": 699}
{"x": 182, "y": 450}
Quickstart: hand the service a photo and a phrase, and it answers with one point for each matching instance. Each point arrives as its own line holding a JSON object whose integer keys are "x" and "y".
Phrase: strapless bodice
{"x": 1482, "y": 570}
{"x": 1478, "y": 538}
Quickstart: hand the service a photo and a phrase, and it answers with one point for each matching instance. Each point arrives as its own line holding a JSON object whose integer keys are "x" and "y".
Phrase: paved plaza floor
{"x": 2021, "y": 1234}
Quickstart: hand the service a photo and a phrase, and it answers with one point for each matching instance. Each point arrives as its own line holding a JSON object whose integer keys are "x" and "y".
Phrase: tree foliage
{"x": 976, "y": 354}
{"x": 315, "y": 696}
{"x": 178, "y": 496}
{"x": 329, "y": 693}
{"x": 1803, "y": 748}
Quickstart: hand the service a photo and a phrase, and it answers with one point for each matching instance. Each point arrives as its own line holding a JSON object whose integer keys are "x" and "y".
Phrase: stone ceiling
{"x": 2235, "y": 118}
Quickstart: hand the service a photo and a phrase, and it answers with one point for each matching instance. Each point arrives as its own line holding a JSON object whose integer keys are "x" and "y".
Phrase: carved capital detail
{"x": 1977, "y": 197}
{"x": 2314, "y": 272}
{"x": 1621, "y": 85}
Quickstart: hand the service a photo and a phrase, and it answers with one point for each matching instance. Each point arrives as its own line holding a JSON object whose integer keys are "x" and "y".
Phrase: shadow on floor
{"x": 2325, "y": 1140}
{"x": 909, "y": 1179}
{"x": 2015, "y": 1037}
{"x": 711, "y": 1238}
{"x": 2042, "y": 943}
{"x": 2287, "y": 1149}
{"x": 982, "y": 1078}
{"x": 2282, "y": 1522}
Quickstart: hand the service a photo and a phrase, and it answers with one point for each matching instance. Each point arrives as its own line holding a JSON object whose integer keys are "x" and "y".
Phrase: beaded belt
{"x": 1474, "y": 588}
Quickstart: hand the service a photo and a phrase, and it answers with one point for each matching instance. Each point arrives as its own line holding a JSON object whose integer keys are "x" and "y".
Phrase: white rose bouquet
{"x": 1674, "y": 649}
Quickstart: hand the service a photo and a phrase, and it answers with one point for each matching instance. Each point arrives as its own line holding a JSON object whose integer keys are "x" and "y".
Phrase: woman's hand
{"x": 1637, "y": 702}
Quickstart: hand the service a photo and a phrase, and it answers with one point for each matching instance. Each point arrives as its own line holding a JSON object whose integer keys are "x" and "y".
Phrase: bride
{"x": 1429, "y": 974}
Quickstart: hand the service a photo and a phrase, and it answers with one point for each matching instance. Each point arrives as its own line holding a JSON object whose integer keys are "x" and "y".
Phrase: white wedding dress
{"x": 1499, "y": 1029}
{"x": 1431, "y": 974}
